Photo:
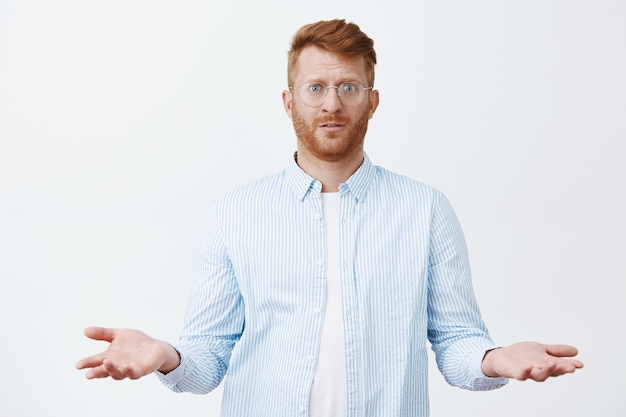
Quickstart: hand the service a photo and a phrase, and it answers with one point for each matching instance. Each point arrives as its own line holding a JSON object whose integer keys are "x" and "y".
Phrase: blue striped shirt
{"x": 256, "y": 306}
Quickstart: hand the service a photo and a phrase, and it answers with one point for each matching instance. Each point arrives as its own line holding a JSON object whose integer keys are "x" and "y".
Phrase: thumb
{"x": 100, "y": 333}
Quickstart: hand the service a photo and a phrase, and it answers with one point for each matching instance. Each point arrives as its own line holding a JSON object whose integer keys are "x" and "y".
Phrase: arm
{"x": 213, "y": 324}
{"x": 130, "y": 354}
{"x": 530, "y": 360}
{"x": 214, "y": 320}
{"x": 456, "y": 330}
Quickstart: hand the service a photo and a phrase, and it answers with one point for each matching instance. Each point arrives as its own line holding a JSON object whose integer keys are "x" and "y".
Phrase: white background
{"x": 121, "y": 122}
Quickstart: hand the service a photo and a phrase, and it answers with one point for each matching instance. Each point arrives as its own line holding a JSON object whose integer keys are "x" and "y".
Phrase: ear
{"x": 374, "y": 100}
{"x": 287, "y": 102}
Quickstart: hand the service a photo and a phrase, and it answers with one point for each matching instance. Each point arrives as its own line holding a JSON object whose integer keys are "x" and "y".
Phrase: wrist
{"x": 172, "y": 359}
{"x": 486, "y": 364}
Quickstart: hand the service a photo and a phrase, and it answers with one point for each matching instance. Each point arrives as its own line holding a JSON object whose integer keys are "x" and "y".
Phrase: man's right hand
{"x": 130, "y": 354}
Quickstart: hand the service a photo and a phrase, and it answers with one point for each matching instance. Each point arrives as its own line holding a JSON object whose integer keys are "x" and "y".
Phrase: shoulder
{"x": 402, "y": 186}
{"x": 259, "y": 190}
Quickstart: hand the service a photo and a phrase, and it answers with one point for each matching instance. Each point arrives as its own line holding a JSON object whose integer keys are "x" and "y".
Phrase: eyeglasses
{"x": 349, "y": 93}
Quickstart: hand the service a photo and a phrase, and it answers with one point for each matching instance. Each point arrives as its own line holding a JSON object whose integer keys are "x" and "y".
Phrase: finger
{"x": 100, "y": 333}
{"x": 90, "y": 362}
{"x": 114, "y": 371}
{"x": 97, "y": 372}
{"x": 561, "y": 351}
{"x": 567, "y": 366}
{"x": 544, "y": 371}
{"x": 553, "y": 369}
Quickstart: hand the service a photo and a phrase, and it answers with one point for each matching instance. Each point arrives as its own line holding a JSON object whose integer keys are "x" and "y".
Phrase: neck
{"x": 330, "y": 173}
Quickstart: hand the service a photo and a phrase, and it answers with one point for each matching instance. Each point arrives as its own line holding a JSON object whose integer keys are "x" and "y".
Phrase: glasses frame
{"x": 327, "y": 87}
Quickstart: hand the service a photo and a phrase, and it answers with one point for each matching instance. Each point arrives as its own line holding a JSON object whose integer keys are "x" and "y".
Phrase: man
{"x": 316, "y": 289}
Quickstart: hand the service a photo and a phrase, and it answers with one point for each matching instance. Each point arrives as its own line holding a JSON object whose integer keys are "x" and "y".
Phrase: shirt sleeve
{"x": 456, "y": 330}
{"x": 214, "y": 320}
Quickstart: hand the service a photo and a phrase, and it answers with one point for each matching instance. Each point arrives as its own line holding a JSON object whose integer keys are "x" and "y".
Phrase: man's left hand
{"x": 530, "y": 360}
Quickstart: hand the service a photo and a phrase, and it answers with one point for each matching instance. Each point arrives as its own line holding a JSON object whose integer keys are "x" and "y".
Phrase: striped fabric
{"x": 257, "y": 300}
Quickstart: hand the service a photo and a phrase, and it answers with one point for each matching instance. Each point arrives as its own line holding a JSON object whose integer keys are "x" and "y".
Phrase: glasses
{"x": 349, "y": 93}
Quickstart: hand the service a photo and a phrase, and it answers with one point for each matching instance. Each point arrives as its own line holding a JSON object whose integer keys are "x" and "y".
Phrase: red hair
{"x": 336, "y": 36}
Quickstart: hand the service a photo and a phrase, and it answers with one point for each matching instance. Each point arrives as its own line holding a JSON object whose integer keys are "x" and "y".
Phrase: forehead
{"x": 315, "y": 64}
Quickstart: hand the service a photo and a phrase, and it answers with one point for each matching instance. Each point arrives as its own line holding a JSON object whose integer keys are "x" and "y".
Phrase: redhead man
{"x": 317, "y": 290}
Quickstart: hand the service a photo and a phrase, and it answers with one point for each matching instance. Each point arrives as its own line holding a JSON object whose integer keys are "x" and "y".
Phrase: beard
{"x": 331, "y": 146}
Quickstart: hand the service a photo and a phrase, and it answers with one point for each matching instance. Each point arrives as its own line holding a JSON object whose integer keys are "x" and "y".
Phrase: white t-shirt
{"x": 328, "y": 393}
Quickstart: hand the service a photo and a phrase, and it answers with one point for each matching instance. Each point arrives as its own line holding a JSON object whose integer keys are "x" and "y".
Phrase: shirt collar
{"x": 361, "y": 181}
{"x": 358, "y": 184}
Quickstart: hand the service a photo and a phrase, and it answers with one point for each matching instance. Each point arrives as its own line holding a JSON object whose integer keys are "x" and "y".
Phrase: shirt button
{"x": 318, "y": 217}
{"x": 317, "y": 310}
{"x": 301, "y": 409}
{"x": 320, "y": 262}
{"x": 310, "y": 358}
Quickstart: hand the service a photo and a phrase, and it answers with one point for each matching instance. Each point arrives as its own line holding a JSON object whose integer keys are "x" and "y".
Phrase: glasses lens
{"x": 313, "y": 94}
{"x": 350, "y": 94}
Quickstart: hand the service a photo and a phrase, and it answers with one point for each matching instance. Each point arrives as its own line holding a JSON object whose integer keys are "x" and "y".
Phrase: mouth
{"x": 331, "y": 125}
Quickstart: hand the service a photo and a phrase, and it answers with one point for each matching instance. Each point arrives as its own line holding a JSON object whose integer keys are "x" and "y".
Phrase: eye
{"x": 315, "y": 88}
{"x": 348, "y": 87}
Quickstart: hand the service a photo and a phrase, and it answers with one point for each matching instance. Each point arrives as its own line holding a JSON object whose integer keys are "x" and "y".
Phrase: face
{"x": 330, "y": 132}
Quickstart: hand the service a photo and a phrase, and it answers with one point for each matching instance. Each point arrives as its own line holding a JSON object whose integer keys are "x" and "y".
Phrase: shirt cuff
{"x": 176, "y": 374}
{"x": 481, "y": 381}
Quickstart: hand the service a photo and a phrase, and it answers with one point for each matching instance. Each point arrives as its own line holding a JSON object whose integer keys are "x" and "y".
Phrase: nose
{"x": 331, "y": 103}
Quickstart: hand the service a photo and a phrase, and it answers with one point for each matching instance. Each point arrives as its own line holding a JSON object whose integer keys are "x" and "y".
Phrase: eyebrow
{"x": 344, "y": 80}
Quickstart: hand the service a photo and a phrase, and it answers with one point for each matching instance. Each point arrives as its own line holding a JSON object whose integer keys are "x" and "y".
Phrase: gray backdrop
{"x": 122, "y": 121}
